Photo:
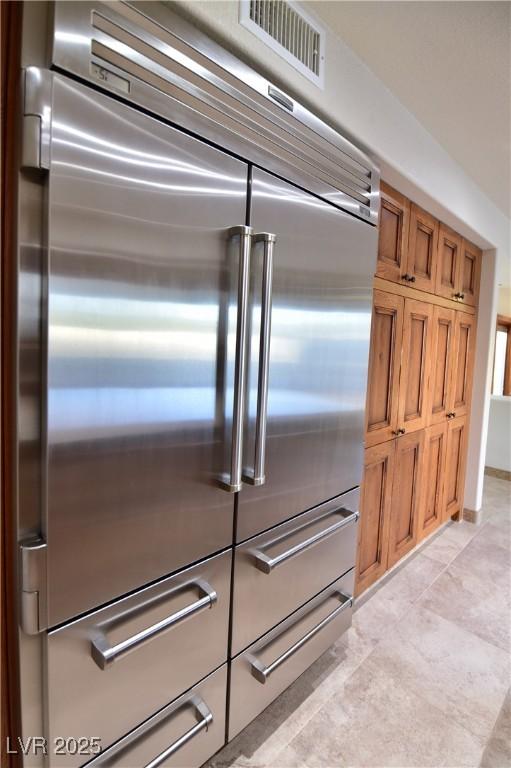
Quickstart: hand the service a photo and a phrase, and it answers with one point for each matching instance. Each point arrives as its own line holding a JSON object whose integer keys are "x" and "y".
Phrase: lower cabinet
{"x": 411, "y": 485}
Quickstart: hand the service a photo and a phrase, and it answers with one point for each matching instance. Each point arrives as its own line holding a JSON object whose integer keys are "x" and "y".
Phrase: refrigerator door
{"x": 323, "y": 266}
{"x": 141, "y": 317}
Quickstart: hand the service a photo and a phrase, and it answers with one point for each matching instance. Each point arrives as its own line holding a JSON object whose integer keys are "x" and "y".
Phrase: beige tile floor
{"x": 423, "y": 676}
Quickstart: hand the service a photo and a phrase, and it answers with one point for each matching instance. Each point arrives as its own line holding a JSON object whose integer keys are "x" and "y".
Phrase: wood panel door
{"x": 406, "y": 486}
{"x": 431, "y": 507}
{"x": 415, "y": 357}
{"x": 375, "y": 509}
{"x": 393, "y": 234}
{"x": 448, "y": 265}
{"x": 384, "y": 364}
{"x": 422, "y": 249}
{"x": 455, "y": 466}
{"x": 463, "y": 364}
{"x": 469, "y": 273}
{"x": 441, "y": 365}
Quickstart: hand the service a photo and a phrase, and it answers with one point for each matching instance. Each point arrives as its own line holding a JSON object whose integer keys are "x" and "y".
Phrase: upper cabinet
{"x": 422, "y": 250}
{"x": 469, "y": 274}
{"x": 448, "y": 263}
{"x": 416, "y": 250}
{"x": 393, "y": 234}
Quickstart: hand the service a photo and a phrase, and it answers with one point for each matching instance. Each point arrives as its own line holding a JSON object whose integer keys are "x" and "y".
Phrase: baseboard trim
{"x": 474, "y": 516}
{"x": 502, "y": 474}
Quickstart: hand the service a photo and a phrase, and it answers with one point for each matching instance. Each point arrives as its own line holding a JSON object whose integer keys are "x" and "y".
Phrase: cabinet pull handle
{"x": 105, "y": 654}
{"x": 232, "y": 481}
{"x": 267, "y": 564}
{"x": 261, "y": 672}
{"x": 257, "y": 476}
{"x": 206, "y": 719}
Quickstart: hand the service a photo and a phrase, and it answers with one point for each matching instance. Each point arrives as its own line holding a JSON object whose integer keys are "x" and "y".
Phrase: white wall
{"x": 356, "y": 102}
{"x": 498, "y": 449}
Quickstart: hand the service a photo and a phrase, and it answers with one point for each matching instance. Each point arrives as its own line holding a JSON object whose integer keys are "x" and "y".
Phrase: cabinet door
{"x": 455, "y": 466}
{"x": 463, "y": 364}
{"x": 440, "y": 368}
{"x": 375, "y": 509}
{"x": 422, "y": 249}
{"x": 469, "y": 273}
{"x": 393, "y": 234}
{"x": 448, "y": 266}
{"x": 416, "y": 354}
{"x": 433, "y": 474}
{"x": 406, "y": 484}
{"x": 384, "y": 363}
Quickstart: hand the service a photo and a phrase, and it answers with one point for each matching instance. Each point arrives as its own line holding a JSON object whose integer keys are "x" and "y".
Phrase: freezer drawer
{"x": 182, "y": 735}
{"x": 112, "y": 669}
{"x": 269, "y": 666}
{"x": 275, "y": 573}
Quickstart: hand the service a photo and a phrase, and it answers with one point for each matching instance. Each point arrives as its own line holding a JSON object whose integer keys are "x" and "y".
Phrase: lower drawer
{"x": 182, "y": 735}
{"x": 277, "y": 572}
{"x": 269, "y": 666}
{"x": 110, "y": 670}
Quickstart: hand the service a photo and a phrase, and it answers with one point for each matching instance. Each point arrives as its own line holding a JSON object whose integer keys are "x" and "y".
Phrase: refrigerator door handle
{"x": 105, "y": 654}
{"x": 257, "y": 475}
{"x": 232, "y": 482}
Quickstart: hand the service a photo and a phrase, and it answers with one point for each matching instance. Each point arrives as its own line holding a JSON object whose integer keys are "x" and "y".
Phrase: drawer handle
{"x": 267, "y": 564}
{"x": 262, "y": 672}
{"x": 206, "y": 718}
{"x": 105, "y": 654}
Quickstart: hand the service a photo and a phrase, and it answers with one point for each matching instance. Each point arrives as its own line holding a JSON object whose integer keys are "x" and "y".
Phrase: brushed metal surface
{"x": 148, "y": 54}
{"x": 249, "y": 696}
{"x": 84, "y": 699}
{"x": 142, "y": 319}
{"x": 191, "y": 729}
{"x": 321, "y": 314}
{"x": 261, "y": 600}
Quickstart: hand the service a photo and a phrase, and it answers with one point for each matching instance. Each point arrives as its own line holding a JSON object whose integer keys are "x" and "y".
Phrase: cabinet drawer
{"x": 182, "y": 735}
{"x": 112, "y": 669}
{"x": 268, "y": 667}
{"x": 275, "y": 573}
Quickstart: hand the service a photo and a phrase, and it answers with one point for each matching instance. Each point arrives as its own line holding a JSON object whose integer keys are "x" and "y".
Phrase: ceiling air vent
{"x": 290, "y": 31}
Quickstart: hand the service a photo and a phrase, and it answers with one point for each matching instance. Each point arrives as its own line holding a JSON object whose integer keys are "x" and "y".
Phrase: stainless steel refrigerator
{"x": 204, "y": 302}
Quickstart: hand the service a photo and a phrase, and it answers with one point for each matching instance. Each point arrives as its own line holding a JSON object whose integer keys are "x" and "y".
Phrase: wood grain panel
{"x": 416, "y": 353}
{"x": 431, "y": 507}
{"x": 463, "y": 364}
{"x": 393, "y": 233}
{"x": 440, "y": 369}
{"x": 375, "y": 507}
{"x": 455, "y": 466}
{"x": 448, "y": 267}
{"x": 422, "y": 249}
{"x": 469, "y": 273}
{"x": 384, "y": 364}
{"x": 405, "y": 495}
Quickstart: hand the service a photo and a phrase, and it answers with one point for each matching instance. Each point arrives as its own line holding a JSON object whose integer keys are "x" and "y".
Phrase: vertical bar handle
{"x": 257, "y": 477}
{"x": 232, "y": 482}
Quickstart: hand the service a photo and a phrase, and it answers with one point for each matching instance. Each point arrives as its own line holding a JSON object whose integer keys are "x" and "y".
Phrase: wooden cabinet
{"x": 406, "y": 486}
{"x": 442, "y": 364}
{"x": 448, "y": 263}
{"x": 469, "y": 273}
{"x": 375, "y": 511}
{"x": 431, "y": 508}
{"x": 384, "y": 364}
{"x": 422, "y": 249}
{"x": 455, "y": 466}
{"x": 463, "y": 364}
{"x": 416, "y": 352}
{"x": 393, "y": 234}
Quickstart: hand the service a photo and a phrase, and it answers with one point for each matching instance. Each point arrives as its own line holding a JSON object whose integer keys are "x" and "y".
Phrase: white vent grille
{"x": 290, "y": 31}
